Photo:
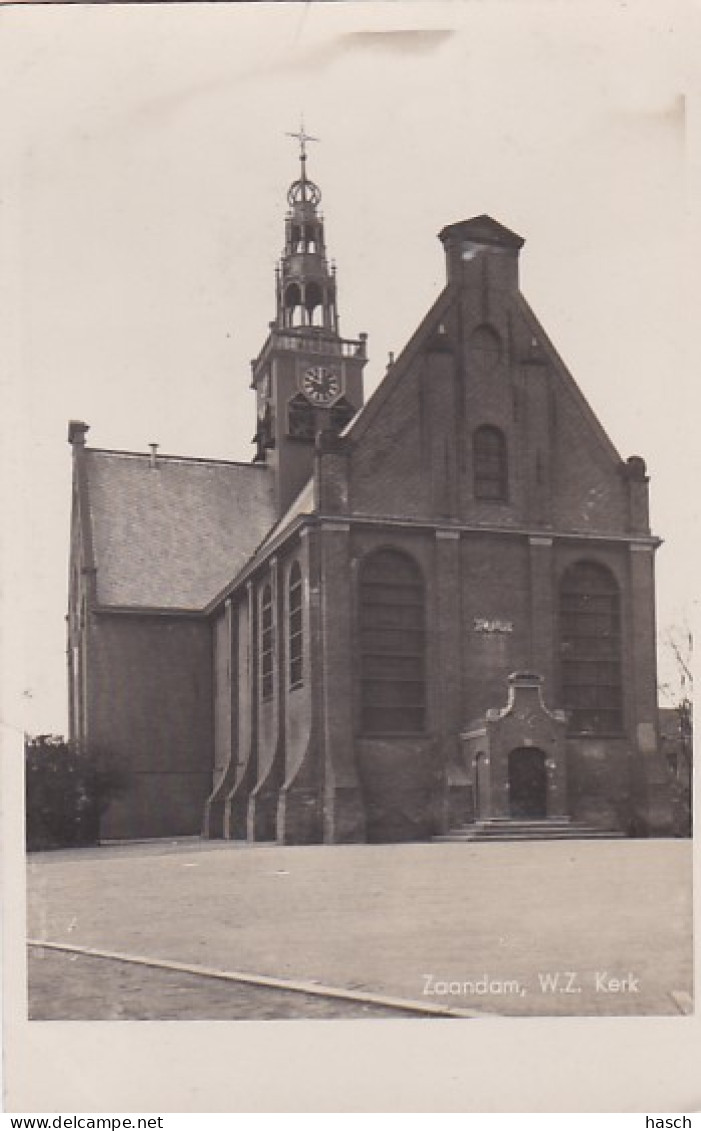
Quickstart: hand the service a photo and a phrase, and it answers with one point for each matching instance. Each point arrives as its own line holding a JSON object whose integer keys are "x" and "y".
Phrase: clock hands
{"x": 321, "y": 384}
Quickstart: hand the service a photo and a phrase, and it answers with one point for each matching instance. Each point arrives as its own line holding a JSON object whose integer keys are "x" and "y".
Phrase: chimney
{"x": 469, "y": 242}
{"x": 635, "y": 475}
{"x": 152, "y": 457}
{"x": 77, "y": 430}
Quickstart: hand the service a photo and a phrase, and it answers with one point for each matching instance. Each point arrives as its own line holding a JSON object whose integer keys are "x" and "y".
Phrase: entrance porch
{"x": 515, "y": 757}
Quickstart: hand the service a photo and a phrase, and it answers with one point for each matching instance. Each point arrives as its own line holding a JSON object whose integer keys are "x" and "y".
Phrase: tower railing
{"x": 313, "y": 343}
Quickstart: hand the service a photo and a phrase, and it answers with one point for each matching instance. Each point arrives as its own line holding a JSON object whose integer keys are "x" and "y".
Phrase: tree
{"x": 678, "y": 690}
{"x": 676, "y": 722}
{"x": 66, "y": 791}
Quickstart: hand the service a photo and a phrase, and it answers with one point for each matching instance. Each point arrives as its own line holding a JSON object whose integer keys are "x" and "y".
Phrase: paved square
{"x": 529, "y": 929}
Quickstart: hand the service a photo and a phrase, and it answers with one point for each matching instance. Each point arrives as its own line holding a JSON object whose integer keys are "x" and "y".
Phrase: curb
{"x": 314, "y": 989}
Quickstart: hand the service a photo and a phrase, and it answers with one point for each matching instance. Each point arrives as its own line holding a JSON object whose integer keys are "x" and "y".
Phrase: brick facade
{"x": 150, "y": 704}
{"x": 403, "y": 478}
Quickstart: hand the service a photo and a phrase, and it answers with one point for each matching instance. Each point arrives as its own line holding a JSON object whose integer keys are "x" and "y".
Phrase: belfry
{"x": 306, "y": 286}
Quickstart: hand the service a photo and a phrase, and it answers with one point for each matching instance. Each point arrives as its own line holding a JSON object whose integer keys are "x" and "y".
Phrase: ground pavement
{"x": 515, "y": 929}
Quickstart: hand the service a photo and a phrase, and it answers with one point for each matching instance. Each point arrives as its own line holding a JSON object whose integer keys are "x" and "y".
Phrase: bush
{"x": 65, "y": 793}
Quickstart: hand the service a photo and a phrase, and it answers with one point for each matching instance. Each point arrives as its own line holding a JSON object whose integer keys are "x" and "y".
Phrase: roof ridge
{"x": 181, "y": 459}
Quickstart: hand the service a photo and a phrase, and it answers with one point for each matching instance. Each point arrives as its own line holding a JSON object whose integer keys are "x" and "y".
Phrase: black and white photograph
{"x": 352, "y": 422}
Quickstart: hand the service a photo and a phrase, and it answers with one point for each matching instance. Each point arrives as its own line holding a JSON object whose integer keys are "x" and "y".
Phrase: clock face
{"x": 321, "y": 385}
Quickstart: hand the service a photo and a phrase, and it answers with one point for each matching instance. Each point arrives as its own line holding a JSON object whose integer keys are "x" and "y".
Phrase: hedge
{"x": 65, "y": 793}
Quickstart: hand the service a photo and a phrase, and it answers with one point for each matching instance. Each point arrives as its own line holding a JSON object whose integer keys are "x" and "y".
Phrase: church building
{"x": 430, "y": 612}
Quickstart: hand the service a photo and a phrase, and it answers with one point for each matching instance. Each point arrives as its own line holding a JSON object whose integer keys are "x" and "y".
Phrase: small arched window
{"x": 294, "y": 309}
{"x": 313, "y": 300}
{"x": 590, "y": 649}
{"x": 484, "y": 350}
{"x": 295, "y": 641}
{"x": 267, "y": 643}
{"x": 491, "y": 473}
{"x": 297, "y": 238}
{"x": 300, "y": 418}
{"x": 392, "y": 645}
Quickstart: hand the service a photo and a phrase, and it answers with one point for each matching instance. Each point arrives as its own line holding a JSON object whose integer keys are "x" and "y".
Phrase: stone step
{"x": 508, "y": 821}
{"x": 472, "y": 838}
{"x": 532, "y": 826}
{"x": 528, "y": 824}
{"x": 519, "y": 830}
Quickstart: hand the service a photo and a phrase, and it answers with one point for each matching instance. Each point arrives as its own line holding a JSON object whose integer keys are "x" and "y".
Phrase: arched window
{"x": 484, "y": 350}
{"x": 297, "y": 238}
{"x": 392, "y": 645}
{"x": 267, "y": 643}
{"x": 313, "y": 300}
{"x": 295, "y": 642}
{"x": 590, "y": 650}
{"x": 490, "y": 464}
{"x": 294, "y": 310}
{"x": 300, "y": 418}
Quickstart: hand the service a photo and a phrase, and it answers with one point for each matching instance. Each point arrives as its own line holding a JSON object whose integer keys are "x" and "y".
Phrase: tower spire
{"x": 308, "y": 379}
{"x": 306, "y": 285}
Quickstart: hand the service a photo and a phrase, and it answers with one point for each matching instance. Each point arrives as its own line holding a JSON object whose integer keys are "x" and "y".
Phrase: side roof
{"x": 169, "y": 534}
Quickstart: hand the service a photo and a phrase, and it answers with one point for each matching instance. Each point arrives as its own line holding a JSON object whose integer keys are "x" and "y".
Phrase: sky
{"x": 146, "y": 169}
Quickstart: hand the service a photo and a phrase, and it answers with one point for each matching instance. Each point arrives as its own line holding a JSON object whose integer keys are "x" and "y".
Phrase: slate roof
{"x": 173, "y": 535}
{"x": 304, "y": 504}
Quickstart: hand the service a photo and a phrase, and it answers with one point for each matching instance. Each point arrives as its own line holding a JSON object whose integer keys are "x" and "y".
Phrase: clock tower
{"x": 307, "y": 378}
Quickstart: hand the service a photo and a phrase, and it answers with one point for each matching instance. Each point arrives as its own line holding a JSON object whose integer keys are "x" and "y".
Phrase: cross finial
{"x": 302, "y": 137}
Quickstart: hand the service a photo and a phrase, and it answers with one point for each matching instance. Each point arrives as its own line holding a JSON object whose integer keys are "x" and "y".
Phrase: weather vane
{"x": 302, "y": 137}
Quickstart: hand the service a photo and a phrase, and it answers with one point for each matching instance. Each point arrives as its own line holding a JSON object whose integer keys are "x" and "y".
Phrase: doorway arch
{"x": 528, "y": 783}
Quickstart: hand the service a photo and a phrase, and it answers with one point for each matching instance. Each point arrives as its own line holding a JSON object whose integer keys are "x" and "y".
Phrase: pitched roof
{"x": 303, "y": 504}
{"x": 170, "y": 536}
{"x": 302, "y": 507}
